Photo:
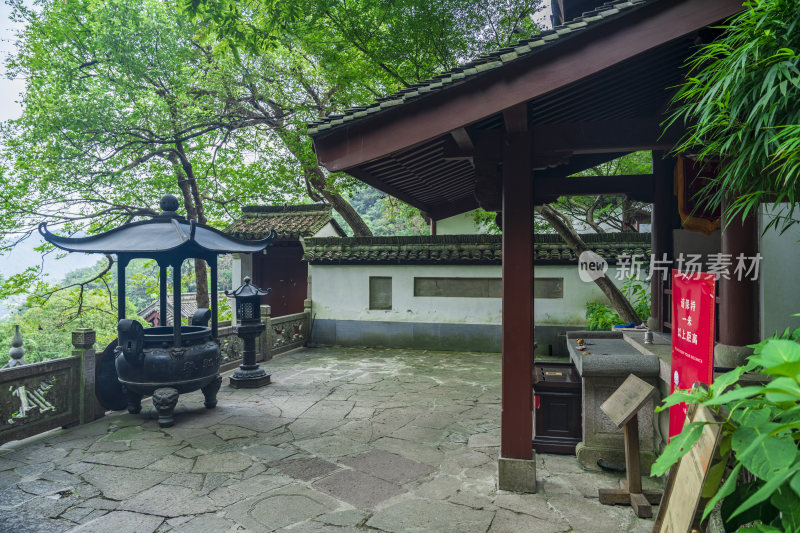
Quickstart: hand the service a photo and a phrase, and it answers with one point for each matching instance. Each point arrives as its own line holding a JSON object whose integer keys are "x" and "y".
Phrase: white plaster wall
{"x": 241, "y": 266}
{"x": 779, "y": 290}
{"x": 462, "y": 224}
{"x": 693, "y": 242}
{"x": 327, "y": 231}
{"x": 571, "y": 309}
{"x": 342, "y": 292}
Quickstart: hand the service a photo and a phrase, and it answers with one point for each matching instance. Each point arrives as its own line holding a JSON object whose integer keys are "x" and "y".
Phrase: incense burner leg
{"x": 165, "y": 400}
{"x": 210, "y": 392}
{"x": 134, "y": 401}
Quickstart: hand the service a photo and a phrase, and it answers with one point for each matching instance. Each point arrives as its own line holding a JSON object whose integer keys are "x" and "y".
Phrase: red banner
{"x": 693, "y": 298}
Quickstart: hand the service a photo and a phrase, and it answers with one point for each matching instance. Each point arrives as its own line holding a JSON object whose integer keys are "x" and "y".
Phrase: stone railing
{"x": 281, "y": 335}
{"x": 38, "y": 397}
{"x": 42, "y": 396}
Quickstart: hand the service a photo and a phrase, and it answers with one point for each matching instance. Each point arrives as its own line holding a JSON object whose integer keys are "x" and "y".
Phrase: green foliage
{"x": 760, "y": 433}
{"x": 600, "y": 316}
{"x": 386, "y": 215}
{"x": 47, "y": 325}
{"x": 638, "y": 294}
{"x": 740, "y": 100}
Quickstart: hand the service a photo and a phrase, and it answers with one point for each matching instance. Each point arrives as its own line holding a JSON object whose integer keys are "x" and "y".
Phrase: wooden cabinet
{"x": 557, "y": 403}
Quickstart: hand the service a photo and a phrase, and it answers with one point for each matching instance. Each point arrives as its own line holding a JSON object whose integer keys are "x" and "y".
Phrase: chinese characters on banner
{"x": 693, "y": 298}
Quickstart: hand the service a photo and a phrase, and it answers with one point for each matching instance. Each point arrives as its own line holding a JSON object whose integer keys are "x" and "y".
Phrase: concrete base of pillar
{"x": 728, "y": 356}
{"x": 517, "y": 475}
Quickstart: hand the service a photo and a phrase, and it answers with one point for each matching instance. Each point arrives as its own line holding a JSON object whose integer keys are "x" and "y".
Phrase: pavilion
{"x": 506, "y": 130}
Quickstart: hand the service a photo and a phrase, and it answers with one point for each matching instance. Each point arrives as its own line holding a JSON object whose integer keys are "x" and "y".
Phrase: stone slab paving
{"x": 343, "y": 440}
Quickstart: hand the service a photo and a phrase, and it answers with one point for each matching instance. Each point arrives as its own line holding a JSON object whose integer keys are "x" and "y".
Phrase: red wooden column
{"x": 738, "y": 316}
{"x": 664, "y": 211}
{"x": 517, "y": 417}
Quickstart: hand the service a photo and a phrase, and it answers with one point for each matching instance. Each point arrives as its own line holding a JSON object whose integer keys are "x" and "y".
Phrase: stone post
{"x": 265, "y": 340}
{"x": 83, "y": 340}
{"x": 17, "y": 351}
{"x": 307, "y": 322}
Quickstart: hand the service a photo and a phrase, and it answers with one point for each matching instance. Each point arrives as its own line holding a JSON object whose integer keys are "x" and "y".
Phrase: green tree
{"x": 122, "y": 105}
{"x": 47, "y": 324}
{"x": 126, "y": 101}
{"x": 740, "y": 101}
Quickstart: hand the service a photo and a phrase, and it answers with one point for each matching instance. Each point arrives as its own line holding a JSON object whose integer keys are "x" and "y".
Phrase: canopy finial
{"x": 169, "y": 205}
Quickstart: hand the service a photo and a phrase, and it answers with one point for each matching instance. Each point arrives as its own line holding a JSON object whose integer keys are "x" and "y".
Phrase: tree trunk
{"x": 317, "y": 180}
{"x": 618, "y": 301}
{"x": 185, "y": 175}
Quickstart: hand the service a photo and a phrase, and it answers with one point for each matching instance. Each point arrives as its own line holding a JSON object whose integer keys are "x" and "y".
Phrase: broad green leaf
{"x": 735, "y": 394}
{"x": 753, "y": 416}
{"x": 726, "y": 380}
{"x": 795, "y": 483}
{"x": 762, "y": 454}
{"x": 788, "y": 503}
{"x": 759, "y": 528}
{"x": 714, "y": 478}
{"x": 726, "y": 490}
{"x": 763, "y": 511}
{"x": 766, "y": 490}
{"x": 780, "y": 357}
{"x": 677, "y": 448}
{"x": 679, "y": 397}
{"x": 782, "y": 389}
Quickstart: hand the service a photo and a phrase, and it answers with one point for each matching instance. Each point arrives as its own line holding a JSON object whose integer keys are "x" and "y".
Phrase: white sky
{"x": 9, "y": 89}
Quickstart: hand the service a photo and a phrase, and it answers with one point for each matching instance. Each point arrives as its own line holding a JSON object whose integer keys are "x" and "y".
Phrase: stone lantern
{"x": 248, "y": 326}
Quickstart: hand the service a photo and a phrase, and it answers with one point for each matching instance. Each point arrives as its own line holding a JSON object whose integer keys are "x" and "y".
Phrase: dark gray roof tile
{"x": 480, "y": 65}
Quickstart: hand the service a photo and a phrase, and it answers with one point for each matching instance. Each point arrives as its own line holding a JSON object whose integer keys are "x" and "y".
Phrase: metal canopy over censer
{"x": 163, "y": 361}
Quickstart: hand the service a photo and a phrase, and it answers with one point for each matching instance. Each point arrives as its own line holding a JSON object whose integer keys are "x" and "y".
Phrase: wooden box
{"x": 557, "y": 413}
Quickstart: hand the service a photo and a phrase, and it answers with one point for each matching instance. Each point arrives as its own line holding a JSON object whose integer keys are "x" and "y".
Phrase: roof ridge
{"x": 287, "y": 209}
{"x": 543, "y": 238}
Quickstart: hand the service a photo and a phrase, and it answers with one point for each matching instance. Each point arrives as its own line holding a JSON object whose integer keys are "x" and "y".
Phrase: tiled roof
{"x": 463, "y": 249}
{"x": 289, "y": 221}
{"x": 469, "y": 71}
{"x": 188, "y": 306}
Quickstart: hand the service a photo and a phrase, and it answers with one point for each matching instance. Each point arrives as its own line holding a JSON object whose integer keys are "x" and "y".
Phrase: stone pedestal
{"x": 517, "y": 475}
{"x": 249, "y": 375}
{"x": 609, "y": 361}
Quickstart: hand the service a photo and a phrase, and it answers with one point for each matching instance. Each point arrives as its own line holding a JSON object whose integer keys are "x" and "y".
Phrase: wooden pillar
{"x": 661, "y": 232}
{"x": 738, "y": 316}
{"x": 517, "y": 415}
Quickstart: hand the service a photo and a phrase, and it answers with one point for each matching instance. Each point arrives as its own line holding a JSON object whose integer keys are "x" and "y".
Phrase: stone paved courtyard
{"x": 343, "y": 440}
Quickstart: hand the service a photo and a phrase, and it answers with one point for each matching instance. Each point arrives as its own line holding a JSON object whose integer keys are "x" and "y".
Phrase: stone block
{"x": 517, "y": 475}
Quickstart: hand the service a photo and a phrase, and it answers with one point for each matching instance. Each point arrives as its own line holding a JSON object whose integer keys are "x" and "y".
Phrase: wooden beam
{"x": 462, "y": 139}
{"x": 604, "y": 137}
{"x": 586, "y": 54}
{"x": 638, "y": 186}
{"x": 369, "y": 179}
{"x": 516, "y": 119}
{"x": 577, "y": 163}
{"x": 454, "y": 208}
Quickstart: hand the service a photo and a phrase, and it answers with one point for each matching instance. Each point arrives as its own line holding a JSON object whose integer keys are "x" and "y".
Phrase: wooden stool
{"x": 622, "y": 408}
